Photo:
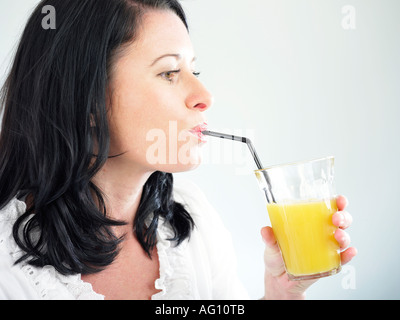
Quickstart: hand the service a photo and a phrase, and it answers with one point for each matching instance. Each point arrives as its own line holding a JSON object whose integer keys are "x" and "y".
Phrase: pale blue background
{"x": 287, "y": 74}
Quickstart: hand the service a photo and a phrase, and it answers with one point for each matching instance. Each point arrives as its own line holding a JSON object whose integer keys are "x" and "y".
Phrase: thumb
{"x": 272, "y": 254}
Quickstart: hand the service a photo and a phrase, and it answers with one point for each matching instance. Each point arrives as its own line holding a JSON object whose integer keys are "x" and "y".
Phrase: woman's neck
{"x": 122, "y": 190}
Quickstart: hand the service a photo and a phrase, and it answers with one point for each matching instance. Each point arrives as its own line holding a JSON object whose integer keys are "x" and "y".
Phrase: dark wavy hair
{"x": 55, "y": 137}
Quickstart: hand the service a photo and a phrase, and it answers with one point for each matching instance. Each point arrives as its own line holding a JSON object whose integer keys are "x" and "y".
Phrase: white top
{"x": 203, "y": 267}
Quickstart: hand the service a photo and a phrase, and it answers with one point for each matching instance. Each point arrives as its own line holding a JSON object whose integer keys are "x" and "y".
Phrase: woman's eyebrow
{"x": 177, "y": 56}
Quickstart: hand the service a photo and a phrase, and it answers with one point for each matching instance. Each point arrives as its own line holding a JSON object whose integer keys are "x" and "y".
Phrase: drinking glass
{"x": 300, "y": 202}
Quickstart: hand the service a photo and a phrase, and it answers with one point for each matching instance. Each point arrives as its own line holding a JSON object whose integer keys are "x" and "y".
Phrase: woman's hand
{"x": 277, "y": 283}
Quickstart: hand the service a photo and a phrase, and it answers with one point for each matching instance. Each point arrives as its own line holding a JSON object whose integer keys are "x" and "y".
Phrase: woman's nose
{"x": 199, "y": 97}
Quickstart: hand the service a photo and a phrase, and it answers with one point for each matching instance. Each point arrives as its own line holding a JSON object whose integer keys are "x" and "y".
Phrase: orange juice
{"x": 305, "y": 234}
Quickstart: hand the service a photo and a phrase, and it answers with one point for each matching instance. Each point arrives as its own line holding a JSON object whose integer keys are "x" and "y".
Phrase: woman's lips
{"x": 197, "y": 131}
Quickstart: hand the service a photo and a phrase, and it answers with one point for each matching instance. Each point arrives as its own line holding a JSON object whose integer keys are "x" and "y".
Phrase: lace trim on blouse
{"x": 174, "y": 281}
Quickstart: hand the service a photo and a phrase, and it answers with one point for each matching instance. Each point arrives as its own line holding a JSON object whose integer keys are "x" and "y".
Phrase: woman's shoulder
{"x": 208, "y": 223}
{"x": 187, "y": 192}
{"x": 22, "y": 281}
{"x": 12, "y": 210}
{"x": 195, "y": 201}
{"x": 13, "y": 282}
{"x": 214, "y": 241}
{"x": 8, "y": 215}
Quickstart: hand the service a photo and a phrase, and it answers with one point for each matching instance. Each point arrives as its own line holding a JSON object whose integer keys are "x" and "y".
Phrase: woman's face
{"x": 156, "y": 99}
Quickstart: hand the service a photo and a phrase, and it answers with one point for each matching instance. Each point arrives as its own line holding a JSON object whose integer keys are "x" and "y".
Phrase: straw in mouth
{"x": 252, "y": 151}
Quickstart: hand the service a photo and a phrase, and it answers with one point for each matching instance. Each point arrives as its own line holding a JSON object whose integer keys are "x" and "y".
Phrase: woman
{"x": 98, "y": 114}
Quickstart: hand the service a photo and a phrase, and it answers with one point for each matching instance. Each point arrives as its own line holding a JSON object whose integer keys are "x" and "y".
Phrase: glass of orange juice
{"x": 301, "y": 201}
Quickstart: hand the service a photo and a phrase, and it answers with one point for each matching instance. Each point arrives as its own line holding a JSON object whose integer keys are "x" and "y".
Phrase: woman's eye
{"x": 196, "y": 74}
{"x": 169, "y": 75}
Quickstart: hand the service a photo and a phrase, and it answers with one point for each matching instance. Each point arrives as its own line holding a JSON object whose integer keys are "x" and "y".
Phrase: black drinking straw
{"x": 252, "y": 151}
